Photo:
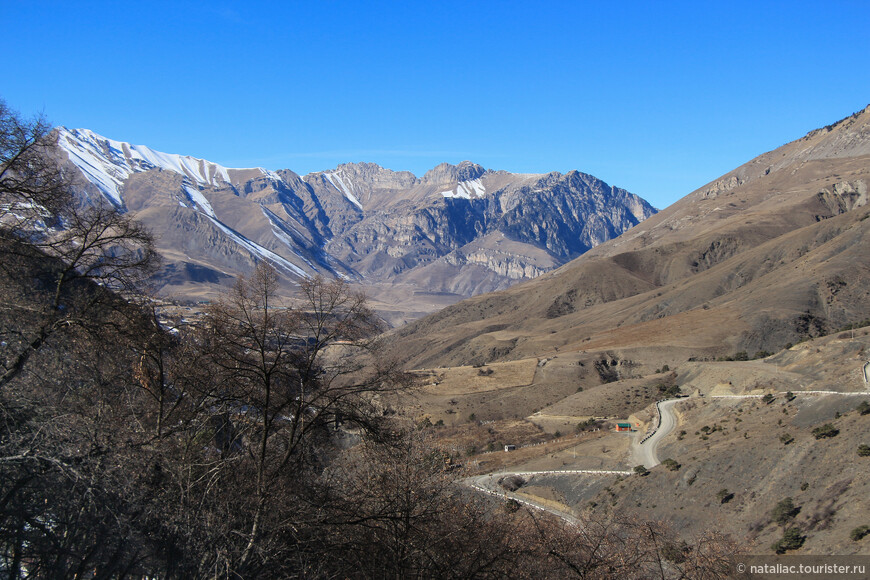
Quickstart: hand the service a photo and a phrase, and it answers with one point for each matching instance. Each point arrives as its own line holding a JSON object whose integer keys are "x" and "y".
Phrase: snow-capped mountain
{"x": 459, "y": 229}
{"x": 108, "y": 163}
{"x": 186, "y": 199}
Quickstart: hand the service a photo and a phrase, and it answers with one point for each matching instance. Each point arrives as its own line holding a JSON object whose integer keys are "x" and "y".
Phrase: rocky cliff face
{"x": 569, "y": 214}
{"x": 448, "y": 214}
{"x": 460, "y": 228}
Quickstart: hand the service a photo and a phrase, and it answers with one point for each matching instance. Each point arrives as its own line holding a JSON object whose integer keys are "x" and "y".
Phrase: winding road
{"x": 646, "y": 453}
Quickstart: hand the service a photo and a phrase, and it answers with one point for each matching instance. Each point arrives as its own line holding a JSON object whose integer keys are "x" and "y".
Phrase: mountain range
{"x": 458, "y": 231}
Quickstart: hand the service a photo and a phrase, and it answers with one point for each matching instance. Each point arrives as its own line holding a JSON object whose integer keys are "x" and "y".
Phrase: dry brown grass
{"x": 465, "y": 380}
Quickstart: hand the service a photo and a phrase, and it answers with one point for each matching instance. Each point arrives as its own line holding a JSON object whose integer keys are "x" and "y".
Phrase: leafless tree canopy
{"x": 55, "y": 252}
{"x": 31, "y": 185}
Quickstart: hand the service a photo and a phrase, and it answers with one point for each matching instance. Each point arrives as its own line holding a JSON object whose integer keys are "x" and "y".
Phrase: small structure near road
{"x": 510, "y": 447}
{"x": 623, "y": 427}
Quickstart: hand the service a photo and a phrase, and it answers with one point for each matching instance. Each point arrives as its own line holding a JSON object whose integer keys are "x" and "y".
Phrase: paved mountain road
{"x": 646, "y": 453}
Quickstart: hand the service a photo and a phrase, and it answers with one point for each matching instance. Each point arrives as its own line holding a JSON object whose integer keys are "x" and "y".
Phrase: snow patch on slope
{"x": 467, "y": 189}
{"x": 108, "y": 163}
{"x": 280, "y": 230}
{"x": 271, "y": 175}
{"x": 342, "y": 187}
{"x": 199, "y": 200}
{"x": 102, "y": 168}
{"x": 258, "y": 250}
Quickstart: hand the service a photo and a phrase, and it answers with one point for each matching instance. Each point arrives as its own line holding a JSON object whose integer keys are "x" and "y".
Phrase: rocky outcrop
{"x": 720, "y": 186}
{"x": 506, "y": 265}
{"x": 843, "y": 196}
{"x": 445, "y": 173}
{"x": 569, "y": 214}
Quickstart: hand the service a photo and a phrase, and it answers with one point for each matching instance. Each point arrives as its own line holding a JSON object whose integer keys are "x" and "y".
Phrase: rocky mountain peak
{"x": 445, "y": 173}
{"x": 374, "y": 176}
{"x": 108, "y": 163}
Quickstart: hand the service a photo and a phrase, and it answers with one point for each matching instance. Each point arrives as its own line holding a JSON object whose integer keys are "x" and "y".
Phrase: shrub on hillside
{"x": 511, "y": 505}
{"x": 792, "y": 539}
{"x": 859, "y": 533}
{"x": 784, "y": 511}
{"x": 675, "y": 552}
{"x": 671, "y": 464}
{"x": 864, "y": 450}
{"x": 825, "y": 431}
{"x": 669, "y": 391}
{"x": 512, "y": 482}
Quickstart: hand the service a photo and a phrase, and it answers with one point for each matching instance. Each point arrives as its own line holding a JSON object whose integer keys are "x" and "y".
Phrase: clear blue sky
{"x": 655, "y": 97}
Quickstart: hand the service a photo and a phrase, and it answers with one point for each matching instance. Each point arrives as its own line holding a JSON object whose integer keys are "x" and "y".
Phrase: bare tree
{"x": 65, "y": 442}
{"x": 32, "y": 186}
{"x": 282, "y": 386}
{"x": 73, "y": 468}
{"x": 397, "y": 511}
{"x": 57, "y": 254}
{"x": 632, "y": 547}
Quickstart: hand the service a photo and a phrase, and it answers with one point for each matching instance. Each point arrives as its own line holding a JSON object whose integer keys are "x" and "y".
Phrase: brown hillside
{"x": 773, "y": 252}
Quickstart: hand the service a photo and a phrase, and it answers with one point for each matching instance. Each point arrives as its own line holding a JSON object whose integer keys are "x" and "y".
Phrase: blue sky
{"x": 655, "y": 97}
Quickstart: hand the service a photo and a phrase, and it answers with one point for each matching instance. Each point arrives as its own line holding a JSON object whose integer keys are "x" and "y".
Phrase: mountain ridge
{"x": 459, "y": 229}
